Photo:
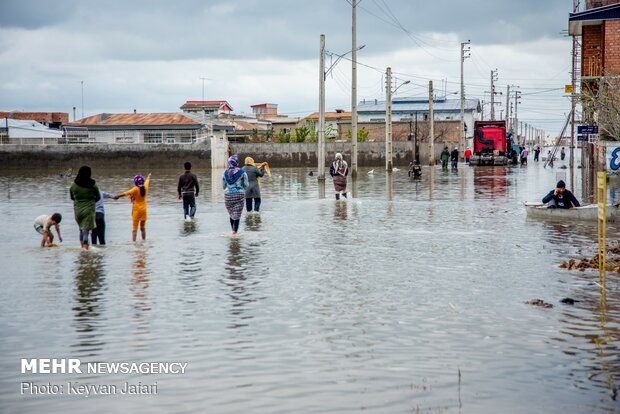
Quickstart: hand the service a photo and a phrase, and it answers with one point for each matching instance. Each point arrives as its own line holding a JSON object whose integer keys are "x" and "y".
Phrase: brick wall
{"x": 590, "y": 4}
{"x": 611, "y": 48}
{"x": 445, "y": 131}
{"x": 591, "y": 51}
{"x": 45, "y": 117}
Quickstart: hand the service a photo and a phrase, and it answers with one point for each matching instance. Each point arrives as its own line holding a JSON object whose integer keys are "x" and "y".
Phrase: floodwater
{"x": 408, "y": 298}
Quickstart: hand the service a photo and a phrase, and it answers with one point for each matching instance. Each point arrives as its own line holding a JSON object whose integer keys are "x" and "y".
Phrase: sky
{"x": 153, "y": 55}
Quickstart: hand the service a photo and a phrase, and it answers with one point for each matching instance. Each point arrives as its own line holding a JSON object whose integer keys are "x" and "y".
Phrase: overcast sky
{"x": 149, "y": 55}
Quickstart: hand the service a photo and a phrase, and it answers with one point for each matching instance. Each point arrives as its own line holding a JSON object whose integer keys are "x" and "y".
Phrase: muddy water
{"x": 409, "y": 297}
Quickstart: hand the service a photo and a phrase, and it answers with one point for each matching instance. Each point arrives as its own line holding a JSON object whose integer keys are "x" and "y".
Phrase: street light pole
{"x": 82, "y": 82}
{"x": 388, "y": 120}
{"x": 353, "y": 91}
{"x": 431, "y": 135}
{"x": 464, "y": 50}
{"x": 321, "y": 152}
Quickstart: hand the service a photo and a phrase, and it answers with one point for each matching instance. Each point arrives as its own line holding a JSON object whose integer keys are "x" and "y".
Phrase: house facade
{"x": 405, "y": 110}
{"x": 160, "y": 128}
{"x": 207, "y": 107}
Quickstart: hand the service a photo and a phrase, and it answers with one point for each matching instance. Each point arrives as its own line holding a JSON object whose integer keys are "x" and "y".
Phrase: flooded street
{"x": 409, "y": 298}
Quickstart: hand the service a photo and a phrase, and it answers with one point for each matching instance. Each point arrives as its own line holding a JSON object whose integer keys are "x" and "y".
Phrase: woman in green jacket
{"x": 85, "y": 195}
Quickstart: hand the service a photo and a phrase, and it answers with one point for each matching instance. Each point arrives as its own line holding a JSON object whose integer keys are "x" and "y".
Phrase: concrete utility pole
{"x": 431, "y": 122}
{"x": 82, "y": 82}
{"x": 573, "y": 98}
{"x": 353, "y": 91}
{"x": 388, "y": 119}
{"x": 465, "y": 50}
{"x": 321, "y": 149}
{"x": 516, "y": 118}
{"x": 493, "y": 79}
{"x": 507, "y": 104}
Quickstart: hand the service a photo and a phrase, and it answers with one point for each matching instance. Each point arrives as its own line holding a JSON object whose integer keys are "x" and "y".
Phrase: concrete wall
{"x": 173, "y": 155}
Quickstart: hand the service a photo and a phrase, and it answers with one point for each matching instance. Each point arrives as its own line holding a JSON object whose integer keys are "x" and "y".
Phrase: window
{"x": 124, "y": 140}
{"x": 153, "y": 138}
{"x": 377, "y": 119}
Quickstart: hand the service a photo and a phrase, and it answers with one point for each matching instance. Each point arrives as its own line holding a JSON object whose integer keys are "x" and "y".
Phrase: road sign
{"x": 583, "y": 138}
{"x": 587, "y": 129}
{"x": 568, "y": 89}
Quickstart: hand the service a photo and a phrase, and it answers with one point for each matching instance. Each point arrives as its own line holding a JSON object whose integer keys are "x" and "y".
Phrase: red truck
{"x": 491, "y": 146}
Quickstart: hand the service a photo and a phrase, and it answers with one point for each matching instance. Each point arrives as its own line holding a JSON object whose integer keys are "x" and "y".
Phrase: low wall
{"x": 148, "y": 155}
{"x": 278, "y": 155}
{"x": 305, "y": 154}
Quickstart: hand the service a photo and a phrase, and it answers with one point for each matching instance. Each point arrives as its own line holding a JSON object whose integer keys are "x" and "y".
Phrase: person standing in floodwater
{"x": 467, "y": 155}
{"x": 562, "y": 154}
{"x": 85, "y": 194}
{"x": 187, "y": 190}
{"x": 138, "y": 210}
{"x": 253, "y": 191}
{"x": 339, "y": 171}
{"x": 454, "y": 158}
{"x": 444, "y": 157}
{"x": 234, "y": 182}
{"x": 536, "y": 152}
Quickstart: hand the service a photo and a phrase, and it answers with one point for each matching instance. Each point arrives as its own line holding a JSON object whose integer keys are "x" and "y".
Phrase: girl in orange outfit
{"x": 138, "y": 198}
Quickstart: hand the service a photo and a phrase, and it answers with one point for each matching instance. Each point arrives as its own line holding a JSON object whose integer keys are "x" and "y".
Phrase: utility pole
{"x": 507, "y": 103}
{"x": 353, "y": 91}
{"x": 388, "y": 120}
{"x": 82, "y": 99}
{"x": 493, "y": 79}
{"x": 516, "y": 117}
{"x": 573, "y": 98}
{"x": 431, "y": 135}
{"x": 465, "y": 50}
{"x": 321, "y": 149}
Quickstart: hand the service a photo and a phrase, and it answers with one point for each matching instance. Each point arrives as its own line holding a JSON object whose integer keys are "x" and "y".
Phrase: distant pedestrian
{"x": 467, "y": 155}
{"x": 187, "y": 190}
{"x": 234, "y": 182}
{"x": 137, "y": 195}
{"x": 562, "y": 154}
{"x": 98, "y": 233}
{"x": 43, "y": 225}
{"x": 454, "y": 158}
{"x": 85, "y": 194}
{"x": 536, "y": 152}
{"x": 414, "y": 169}
{"x": 253, "y": 191}
{"x": 524, "y": 155}
{"x": 444, "y": 157}
{"x": 339, "y": 171}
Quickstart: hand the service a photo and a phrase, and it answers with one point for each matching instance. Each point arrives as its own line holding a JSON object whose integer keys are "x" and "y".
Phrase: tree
{"x": 301, "y": 133}
{"x": 601, "y": 105}
{"x": 284, "y": 137}
{"x": 362, "y": 134}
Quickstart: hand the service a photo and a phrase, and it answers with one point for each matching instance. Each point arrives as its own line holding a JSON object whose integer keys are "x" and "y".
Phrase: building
{"x": 207, "y": 107}
{"x": 332, "y": 121}
{"x": 278, "y": 123}
{"x": 17, "y": 131}
{"x": 599, "y": 28}
{"x": 166, "y": 128}
{"x": 417, "y": 109}
{"x": 50, "y": 119}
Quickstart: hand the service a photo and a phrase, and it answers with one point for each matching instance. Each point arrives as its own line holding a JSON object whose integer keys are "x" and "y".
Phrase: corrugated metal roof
{"x": 135, "y": 119}
{"x": 415, "y": 104}
{"x": 244, "y": 125}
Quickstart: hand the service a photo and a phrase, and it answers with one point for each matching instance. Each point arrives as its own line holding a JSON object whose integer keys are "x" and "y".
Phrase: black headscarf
{"x": 83, "y": 177}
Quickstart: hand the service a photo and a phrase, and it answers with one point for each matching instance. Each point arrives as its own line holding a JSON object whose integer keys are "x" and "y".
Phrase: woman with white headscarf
{"x": 339, "y": 171}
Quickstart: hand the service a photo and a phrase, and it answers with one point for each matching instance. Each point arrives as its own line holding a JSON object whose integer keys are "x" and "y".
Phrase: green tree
{"x": 362, "y": 134}
{"x": 284, "y": 137}
{"x": 301, "y": 133}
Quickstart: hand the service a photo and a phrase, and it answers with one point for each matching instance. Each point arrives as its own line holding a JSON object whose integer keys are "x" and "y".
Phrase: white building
{"x": 17, "y": 131}
{"x": 410, "y": 109}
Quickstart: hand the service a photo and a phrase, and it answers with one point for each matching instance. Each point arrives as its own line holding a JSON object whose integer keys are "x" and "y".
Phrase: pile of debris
{"x": 613, "y": 262}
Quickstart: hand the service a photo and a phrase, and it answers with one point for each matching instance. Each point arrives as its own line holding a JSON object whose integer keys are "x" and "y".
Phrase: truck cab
{"x": 490, "y": 143}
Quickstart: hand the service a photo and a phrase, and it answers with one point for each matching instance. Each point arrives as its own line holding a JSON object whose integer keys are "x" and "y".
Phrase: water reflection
{"x": 89, "y": 282}
{"x": 253, "y": 222}
{"x": 189, "y": 228}
{"x": 490, "y": 182}
{"x": 140, "y": 281}
{"x": 340, "y": 211}
{"x": 236, "y": 280}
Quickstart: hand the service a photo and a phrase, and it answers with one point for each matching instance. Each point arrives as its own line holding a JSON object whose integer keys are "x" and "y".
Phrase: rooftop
{"x": 158, "y": 119}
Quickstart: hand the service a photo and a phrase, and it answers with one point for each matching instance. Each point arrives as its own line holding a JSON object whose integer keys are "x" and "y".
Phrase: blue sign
{"x": 587, "y": 129}
{"x": 582, "y": 138}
